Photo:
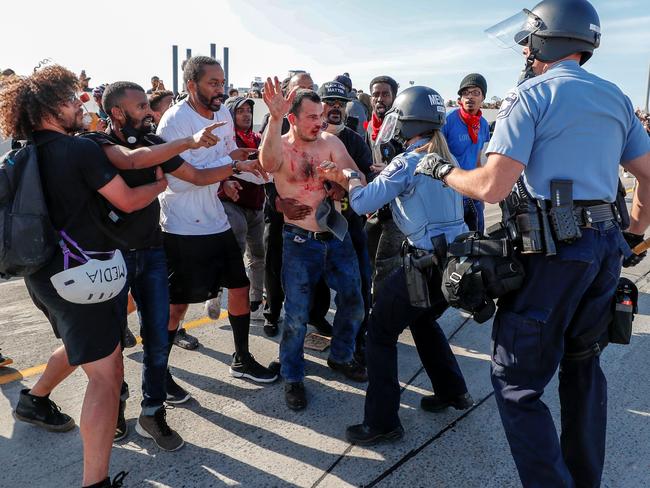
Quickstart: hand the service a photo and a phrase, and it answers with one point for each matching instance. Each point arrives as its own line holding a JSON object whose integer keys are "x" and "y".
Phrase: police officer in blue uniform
{"x": 425, "y": 211}
{"x": 567, "y": 130}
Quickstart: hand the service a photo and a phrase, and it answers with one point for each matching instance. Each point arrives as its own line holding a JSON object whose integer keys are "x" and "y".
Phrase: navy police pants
{"x": 564, "y": 296}
{"x": 391, "y": 314}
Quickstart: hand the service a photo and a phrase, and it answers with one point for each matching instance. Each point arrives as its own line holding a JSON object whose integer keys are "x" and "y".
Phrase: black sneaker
{"x": 295, "y": 396}
{"x": 121, "y": 429}
{"x": 247, "y": 367}
{"x": 4, "y": 361}
{"x": 434, "y": 403}
{"x": 323, "y": 327}
{"x": 106, "y": 483}
{"x": 364, "y": 435}
{"x": 270, "y": 329}
{"x": 184, "y": 340}
{"x": 351, "y": 370}
{"x": 175, "y": 393}
{"x": 128, "y": 338}
{"x": 43, "y": 412}
{"x": 155, "y": 427}
{"x": 274, "y": 366}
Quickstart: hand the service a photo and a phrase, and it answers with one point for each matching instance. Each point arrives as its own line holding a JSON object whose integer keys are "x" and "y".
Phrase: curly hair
{"x": 26, "y": 100}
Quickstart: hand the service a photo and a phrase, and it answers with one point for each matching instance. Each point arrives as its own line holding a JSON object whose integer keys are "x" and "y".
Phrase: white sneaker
{"x": 213, "y": 306}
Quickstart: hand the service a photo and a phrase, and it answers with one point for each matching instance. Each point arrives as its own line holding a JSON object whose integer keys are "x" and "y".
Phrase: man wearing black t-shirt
{"x": 137, "y": 153}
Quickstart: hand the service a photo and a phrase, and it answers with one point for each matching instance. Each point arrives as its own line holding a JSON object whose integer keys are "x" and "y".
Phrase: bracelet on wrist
{"x": 235, "y": 170}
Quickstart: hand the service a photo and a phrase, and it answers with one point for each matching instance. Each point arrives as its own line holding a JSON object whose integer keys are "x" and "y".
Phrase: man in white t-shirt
{"x": 202, "y": 253}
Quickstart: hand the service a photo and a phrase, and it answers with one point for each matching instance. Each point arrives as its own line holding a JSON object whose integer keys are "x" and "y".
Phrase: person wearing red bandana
{"x": 384, "y": 238}
{"x": 466, "y": 131}
{"x": 243, "y": 201}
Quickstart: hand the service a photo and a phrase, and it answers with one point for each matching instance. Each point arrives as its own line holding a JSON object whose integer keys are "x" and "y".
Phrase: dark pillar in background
{"x": 175, "y": 68}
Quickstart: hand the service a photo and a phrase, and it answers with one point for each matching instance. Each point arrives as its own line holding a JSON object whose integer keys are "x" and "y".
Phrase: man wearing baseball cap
{"x": 334, "y": 96}
{"x": 354, "y": 107}
{"x": 466, "y": 131}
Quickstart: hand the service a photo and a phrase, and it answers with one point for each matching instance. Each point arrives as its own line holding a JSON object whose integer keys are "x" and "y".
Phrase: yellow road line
{"x": 34, "y": 370}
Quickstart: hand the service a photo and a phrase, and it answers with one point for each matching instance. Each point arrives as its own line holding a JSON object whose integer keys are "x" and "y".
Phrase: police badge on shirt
{"x": 511, "y": 99}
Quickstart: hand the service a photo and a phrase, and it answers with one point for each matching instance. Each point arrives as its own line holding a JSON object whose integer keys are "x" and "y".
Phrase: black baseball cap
{"x": 332, "y": 90}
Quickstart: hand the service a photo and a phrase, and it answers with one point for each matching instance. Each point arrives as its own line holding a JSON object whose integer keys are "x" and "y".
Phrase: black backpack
{"x": 27, "y": 238}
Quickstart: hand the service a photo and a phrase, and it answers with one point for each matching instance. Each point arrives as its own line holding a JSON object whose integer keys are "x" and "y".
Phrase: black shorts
{"x": 89, "y": 332}
{"x": 199, "y": 265}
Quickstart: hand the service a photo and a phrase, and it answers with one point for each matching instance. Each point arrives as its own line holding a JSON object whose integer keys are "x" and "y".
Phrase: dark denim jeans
{"x": 564, "y": 296}
{"x": 147, "y": 279}
{"x": 304, "y": 262}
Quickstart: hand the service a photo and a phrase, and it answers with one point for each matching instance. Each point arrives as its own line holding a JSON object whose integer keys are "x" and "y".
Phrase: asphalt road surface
{"x": 240, "y": 434}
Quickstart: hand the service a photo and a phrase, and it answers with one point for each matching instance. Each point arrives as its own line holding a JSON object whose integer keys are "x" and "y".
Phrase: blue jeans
{"x": 304, "y": 262}
{"x": 147, "y": 279}
{"x": 563, "y": 297}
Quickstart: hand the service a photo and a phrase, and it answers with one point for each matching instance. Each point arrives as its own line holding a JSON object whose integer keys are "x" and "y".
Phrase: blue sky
{"x": 432, "y": 43}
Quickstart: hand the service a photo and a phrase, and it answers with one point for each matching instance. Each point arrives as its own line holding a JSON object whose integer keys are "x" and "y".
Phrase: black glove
{"x": 434, "y": 166}
{"x": 633, "y": 240}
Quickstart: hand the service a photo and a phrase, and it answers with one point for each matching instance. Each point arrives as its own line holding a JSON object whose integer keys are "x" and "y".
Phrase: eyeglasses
{"x": 335, "y": 102}
{"x": 471, "y": 93}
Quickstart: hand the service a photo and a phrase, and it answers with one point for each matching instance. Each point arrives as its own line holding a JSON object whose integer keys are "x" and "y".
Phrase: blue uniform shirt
{"x": 569, "y": 124}
{"x": 422, "y": 207}
{"x": 460, "y": 144}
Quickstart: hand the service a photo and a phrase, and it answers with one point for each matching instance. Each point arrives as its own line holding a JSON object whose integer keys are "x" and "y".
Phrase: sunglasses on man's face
{"x": 334, "y": 103}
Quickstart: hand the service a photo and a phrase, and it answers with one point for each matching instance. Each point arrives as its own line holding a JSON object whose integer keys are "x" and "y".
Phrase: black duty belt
{"x": 589, "y": 212}
{"x": 309, "y": 234}
{"x": 587, "y": 215}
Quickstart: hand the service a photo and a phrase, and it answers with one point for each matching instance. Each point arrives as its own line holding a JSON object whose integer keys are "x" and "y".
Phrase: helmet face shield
{"x": 513, "y": 31}
{"x": 388, "y": 128}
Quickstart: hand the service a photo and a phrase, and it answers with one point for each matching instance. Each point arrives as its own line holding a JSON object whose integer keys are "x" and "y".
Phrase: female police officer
{"x": 566, "y": 130}
{"x": 423, "y": 209}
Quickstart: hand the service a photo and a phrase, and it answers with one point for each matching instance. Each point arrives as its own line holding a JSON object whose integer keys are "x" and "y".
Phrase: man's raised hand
{"x": 205, "y": 137}
{"x": 277, "y": 103}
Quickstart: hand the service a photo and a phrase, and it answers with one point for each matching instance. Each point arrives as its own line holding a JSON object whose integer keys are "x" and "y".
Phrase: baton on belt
{"x": 644, "y": 246}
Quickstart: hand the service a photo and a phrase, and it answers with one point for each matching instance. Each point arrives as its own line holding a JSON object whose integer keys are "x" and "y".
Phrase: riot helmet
{"x": 418, "y": 110}
{"x": 552, "y": 30}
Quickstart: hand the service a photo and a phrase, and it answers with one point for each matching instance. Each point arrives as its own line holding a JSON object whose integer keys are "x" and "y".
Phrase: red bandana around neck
{"x": 376, "y": 125}
{"x": 473, "y": 123}
{"x": 249, "y": 138}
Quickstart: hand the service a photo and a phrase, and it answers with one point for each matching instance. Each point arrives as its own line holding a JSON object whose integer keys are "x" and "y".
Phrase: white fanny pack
{"x": 94, "y": 280}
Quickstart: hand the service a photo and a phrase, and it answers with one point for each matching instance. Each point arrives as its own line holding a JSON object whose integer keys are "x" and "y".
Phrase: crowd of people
{"x": 363, "y": 194}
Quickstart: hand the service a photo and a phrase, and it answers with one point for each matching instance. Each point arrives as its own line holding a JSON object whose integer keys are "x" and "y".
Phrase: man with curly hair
{"x": 44, "y": 109}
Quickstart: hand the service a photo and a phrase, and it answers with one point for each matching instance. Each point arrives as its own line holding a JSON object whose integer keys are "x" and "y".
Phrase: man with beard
{"x": 44, "y": 108}
{"x": 384, "y": 238}
{"x": 275, "y": 208}
{"x": 466, "y": 131}
{"x": 311, "y": 249}
{"x": 354, "y": 109}
{"x": 136, "y": 152}
{"x": 202, "y": 253}
{"x": 334, "y": 97}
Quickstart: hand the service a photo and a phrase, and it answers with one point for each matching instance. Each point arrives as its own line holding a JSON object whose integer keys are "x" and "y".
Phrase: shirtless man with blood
{"x": 310, "y": 250}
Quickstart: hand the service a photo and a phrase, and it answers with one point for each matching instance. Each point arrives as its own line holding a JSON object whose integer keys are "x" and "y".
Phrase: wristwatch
{"x": 351, "y": 175}
{"x": 235, "y": 170}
